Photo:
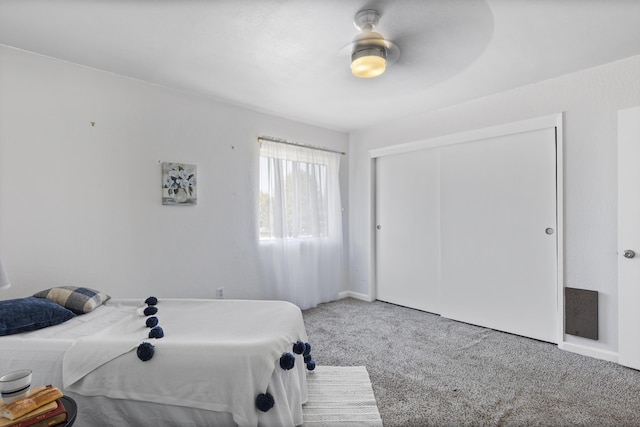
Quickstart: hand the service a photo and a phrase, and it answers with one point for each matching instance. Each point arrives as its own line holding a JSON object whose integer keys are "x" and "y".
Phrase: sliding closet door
{"x": 408, "y": 230}
{"x": 498, "y": 224}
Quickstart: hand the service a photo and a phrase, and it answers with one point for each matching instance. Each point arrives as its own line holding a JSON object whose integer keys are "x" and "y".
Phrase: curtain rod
{"x": 285, "y": 141}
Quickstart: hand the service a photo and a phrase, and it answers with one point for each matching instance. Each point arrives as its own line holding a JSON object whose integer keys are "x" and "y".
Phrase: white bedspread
{"x": 216, "y": 354}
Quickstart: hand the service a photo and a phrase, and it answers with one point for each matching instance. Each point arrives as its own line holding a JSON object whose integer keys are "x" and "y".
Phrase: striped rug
{"x": 340, "y": 396}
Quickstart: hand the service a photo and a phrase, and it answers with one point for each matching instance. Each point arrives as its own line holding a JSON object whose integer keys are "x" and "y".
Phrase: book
{"x": 4, "y": 422}
{"x": 51, "y": 414}
{"x": 51, "y": 418}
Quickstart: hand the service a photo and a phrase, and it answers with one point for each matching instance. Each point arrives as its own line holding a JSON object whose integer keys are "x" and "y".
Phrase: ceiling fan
{"x": 370, "y": 52}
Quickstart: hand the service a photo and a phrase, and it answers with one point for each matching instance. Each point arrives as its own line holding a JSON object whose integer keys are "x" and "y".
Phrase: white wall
{"x": 590, "y": 100}
{"x": 81, "y": 204}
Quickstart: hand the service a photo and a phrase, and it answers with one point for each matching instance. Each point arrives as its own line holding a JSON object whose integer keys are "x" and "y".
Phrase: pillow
{"x": 28, "y": 314}
{"x": 78, "y": 300}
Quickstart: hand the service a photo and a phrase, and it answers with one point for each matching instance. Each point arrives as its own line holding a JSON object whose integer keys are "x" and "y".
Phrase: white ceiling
{"x": 288, "y": 57}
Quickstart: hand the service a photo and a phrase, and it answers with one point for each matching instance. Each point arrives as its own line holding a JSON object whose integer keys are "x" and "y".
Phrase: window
{"x": 303, "y": 199}
{"x": 301, "y": 243}
{"x": 294, "y": 192}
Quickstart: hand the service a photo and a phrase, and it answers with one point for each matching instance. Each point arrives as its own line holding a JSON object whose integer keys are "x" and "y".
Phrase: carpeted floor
{"x": 430, "y": 371}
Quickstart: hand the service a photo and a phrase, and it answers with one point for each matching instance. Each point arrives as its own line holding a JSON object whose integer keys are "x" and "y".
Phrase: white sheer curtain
{"x": 301, "y": 246}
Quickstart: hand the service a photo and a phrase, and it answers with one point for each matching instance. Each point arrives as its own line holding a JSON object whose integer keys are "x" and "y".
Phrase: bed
{"x": 215, "y": 362}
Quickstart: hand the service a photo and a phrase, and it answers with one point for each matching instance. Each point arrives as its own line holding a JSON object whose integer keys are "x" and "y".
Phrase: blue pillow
{"x": 28, "y": 314}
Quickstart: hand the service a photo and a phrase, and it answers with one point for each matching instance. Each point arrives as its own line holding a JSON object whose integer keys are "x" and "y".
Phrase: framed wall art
{"x": 179, "y": 184}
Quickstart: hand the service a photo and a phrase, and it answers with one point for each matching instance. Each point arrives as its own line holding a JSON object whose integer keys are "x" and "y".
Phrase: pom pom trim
{"x": 145, "y": 351}
{"x": 149, "y": 311}
{"x": 298, "y": 347}
{"x": 156, "y": 332}
{"x": 152, "y": 322}
{"x": 264, "y": 402}
{"x": 287, "y": 361}
{"x": 307, "y": 349}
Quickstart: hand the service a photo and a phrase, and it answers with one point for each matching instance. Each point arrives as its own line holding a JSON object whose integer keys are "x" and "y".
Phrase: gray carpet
{"x": 430, "y": 371}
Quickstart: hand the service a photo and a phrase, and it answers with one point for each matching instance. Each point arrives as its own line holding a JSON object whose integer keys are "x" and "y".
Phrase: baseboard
{"x": 591, "y": 352}
{"x": 356, "y": 295}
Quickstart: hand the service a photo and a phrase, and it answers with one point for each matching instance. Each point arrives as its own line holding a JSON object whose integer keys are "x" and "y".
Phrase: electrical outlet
{"x": 220, "y": 293}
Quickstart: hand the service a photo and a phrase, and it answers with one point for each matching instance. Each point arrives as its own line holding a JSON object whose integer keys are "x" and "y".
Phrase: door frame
{"x": 543, "y": 122}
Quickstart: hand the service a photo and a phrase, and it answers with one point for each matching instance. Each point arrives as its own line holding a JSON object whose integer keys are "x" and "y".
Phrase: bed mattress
{"x": 215, "y": 358}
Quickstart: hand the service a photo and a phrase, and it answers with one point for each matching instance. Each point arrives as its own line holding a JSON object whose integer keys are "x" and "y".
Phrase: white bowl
{"x": 15, "y": 385}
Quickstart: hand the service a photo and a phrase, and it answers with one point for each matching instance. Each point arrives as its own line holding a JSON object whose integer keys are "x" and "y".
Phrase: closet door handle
{"x": 628, "y": 253}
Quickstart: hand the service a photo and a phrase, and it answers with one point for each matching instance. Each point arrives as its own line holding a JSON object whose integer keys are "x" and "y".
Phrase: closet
{"x": 466, "y": 227}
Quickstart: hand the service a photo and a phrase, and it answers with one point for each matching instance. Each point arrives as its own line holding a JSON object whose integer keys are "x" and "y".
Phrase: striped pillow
{"x": 78, "y": 300}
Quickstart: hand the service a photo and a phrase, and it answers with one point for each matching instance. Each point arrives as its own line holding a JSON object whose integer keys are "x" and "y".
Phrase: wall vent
{"x": 581, "y": 313}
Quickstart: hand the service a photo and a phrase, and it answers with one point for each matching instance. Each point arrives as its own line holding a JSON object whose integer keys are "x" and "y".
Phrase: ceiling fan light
{"x": 368, "y": 62}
